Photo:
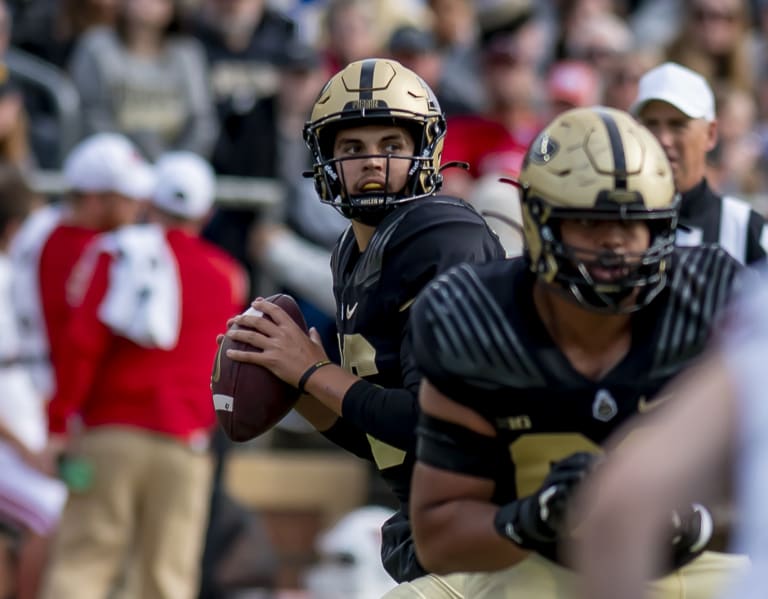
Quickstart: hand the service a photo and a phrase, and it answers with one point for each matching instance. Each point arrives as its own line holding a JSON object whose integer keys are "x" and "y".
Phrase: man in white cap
{"x": 141, "y": 339}
{"x": 678, "y": 106}
{"x": 107, "y": 181}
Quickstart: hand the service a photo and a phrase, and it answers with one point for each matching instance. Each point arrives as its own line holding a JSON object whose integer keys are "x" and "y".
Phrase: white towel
{"x": 25, "y": 253}
{"x": 143, "y": 297}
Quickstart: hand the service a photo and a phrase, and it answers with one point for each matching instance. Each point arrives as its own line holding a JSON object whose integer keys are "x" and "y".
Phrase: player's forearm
{"x": 390, "y": 415}
{"x": 459, "y": 536}
{"x": 329, "y": 385}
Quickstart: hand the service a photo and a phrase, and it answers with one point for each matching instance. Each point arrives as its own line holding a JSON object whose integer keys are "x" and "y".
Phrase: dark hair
{"x": 16, "y": 197}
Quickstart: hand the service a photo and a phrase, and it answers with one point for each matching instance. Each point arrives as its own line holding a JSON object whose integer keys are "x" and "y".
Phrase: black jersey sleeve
{"x": 390, "y": 415}
{"x": 349, "y": 437}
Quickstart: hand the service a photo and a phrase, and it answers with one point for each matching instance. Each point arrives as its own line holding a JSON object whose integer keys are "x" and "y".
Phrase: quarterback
{"x": 376, "y": 134}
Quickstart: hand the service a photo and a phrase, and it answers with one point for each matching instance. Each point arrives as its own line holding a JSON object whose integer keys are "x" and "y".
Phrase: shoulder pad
{"x": 473, "y": 338}
{"x": 700, "y": 284}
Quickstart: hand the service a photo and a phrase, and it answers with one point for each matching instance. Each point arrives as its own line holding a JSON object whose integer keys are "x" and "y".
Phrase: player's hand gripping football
{"x": 285, "y": 349}
{"x": 536, "y": 522}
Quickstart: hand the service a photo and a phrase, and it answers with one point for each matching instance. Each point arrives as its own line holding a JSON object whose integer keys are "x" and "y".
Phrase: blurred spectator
{"x": 714, "y": 41}
{"x": 416, "y": 49}
{"x": 106, "y": 180}
{"x": 137, "y": 309}
{"x": 144, "y": 80}
{"x": 30, "y": 497}
{"x": 456, "y": 31}
{"x": 735, "y": 162}
{"x": 351, "y": 33}
{"x": 622, "y": 76}
{"x": 243, "y": 40}
{"x": 51, "y": 28}
{"x": 14, "y": 139}
{"x": 599, "y": 40}
{"x": 571, "y": 16}
{"x": 654, "y": 23}
{"x": 572, "y": 84}
{"x": 495, "y": 140}
{"x": 296, "y": 256}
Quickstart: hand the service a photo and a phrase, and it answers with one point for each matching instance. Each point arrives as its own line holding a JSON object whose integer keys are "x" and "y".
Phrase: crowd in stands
{"x": 231, "y": 82}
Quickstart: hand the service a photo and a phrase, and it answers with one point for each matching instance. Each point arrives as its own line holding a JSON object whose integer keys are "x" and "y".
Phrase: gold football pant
{"x": 430, "y": 586}
{"x": 704, "y": 578}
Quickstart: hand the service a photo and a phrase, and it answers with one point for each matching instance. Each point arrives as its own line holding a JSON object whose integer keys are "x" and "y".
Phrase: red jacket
{"x": 109, "y": 380}
{"x": 58, "y": 258}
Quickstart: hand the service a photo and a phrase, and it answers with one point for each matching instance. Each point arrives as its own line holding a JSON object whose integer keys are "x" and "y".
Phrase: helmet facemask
{"x": 567, "y": 269}
{"x": 376, "y": 92}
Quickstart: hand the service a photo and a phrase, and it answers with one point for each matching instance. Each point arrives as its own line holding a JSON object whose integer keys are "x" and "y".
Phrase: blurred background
{"x": 233, "y": 81}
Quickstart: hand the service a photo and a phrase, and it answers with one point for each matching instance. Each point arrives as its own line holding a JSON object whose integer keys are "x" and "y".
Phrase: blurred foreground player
{"x": 376, "y": 135}
{"x": 531, "y": 363}
{"x": 148, "y": 302}
{"x": 722, "y": 414}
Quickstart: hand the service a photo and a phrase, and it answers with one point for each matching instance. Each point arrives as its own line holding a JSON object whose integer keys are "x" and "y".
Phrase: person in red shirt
{"x": 141, "y": 339}
{"x": 107, "y": 181}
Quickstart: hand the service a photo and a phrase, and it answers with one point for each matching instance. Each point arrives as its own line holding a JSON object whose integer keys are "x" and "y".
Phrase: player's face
{"x": 589, "y": 239}
{"x": 373, "y": 144}
{"x": 686, "y": 141}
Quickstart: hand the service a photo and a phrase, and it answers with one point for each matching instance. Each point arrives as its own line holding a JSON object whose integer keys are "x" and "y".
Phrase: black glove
{"x": 690, "y": 534}
{"x": 536, "y": 521}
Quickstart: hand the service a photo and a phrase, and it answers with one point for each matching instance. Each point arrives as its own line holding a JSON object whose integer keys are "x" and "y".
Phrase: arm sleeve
{"x": 347, "y": 436}
{"x": 88, "y": 340}
{"x": 757, "y": 238}
{"x": 389, "y": 415}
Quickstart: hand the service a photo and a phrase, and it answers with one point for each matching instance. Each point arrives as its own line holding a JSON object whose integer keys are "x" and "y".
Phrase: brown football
{"x": 249, "y": 399}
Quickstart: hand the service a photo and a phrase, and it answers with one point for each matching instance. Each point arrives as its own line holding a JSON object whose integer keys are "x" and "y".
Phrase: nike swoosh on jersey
{"x": 644, "y": 406}
{"x": 351, "y": 311}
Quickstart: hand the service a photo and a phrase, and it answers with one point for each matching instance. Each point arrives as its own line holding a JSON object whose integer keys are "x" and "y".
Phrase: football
{"x": 249, "y": 399}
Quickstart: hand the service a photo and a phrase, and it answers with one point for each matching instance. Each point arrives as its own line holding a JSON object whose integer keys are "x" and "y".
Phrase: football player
{"x": 531, "y": 363}
{"x": 376, "y": 134}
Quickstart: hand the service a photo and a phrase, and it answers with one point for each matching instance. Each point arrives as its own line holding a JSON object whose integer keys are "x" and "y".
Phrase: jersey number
{"x": 533, "y": 453}
{"x": 357, "y": 355}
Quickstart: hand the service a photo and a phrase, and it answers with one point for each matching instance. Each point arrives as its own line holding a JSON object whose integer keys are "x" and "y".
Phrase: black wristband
{"x": 309, "y": 372}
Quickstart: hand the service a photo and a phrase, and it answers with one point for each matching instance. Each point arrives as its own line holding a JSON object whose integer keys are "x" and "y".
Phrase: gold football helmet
{"x": 371, "y": 92}
{"x": 598, "y": 164}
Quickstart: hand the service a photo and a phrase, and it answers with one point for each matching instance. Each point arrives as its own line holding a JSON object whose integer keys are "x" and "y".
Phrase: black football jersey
{"x": 478, "y": 338}
{"x": 374, "y": 291}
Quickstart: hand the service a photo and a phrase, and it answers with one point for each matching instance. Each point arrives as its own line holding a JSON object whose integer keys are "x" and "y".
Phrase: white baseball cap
{"x": 186, "y": 185}
{"x": 109, "y": 162}
{"x": 679, "y": 86}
